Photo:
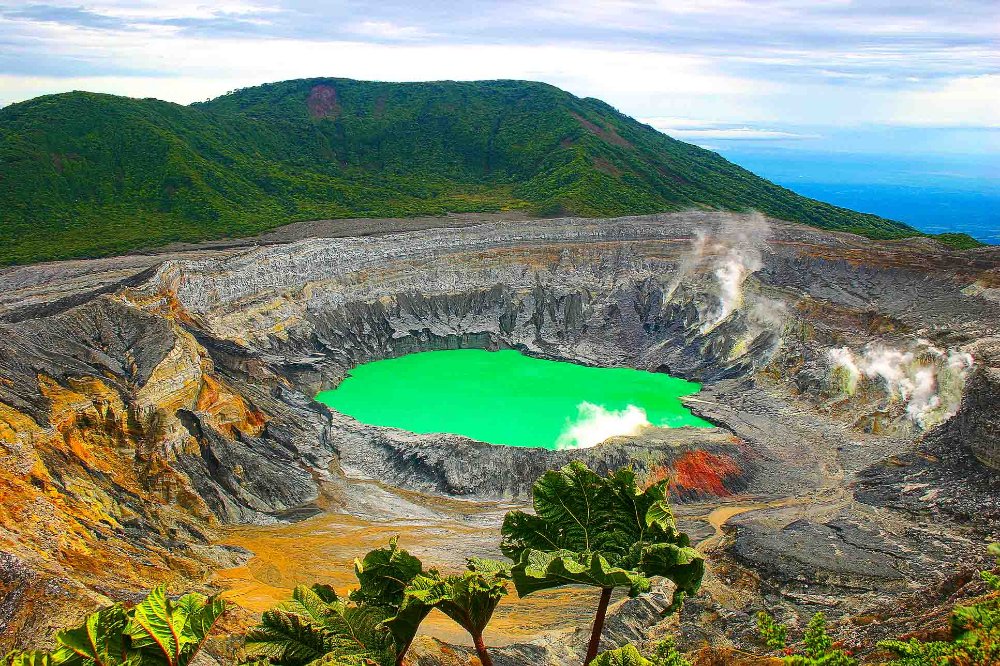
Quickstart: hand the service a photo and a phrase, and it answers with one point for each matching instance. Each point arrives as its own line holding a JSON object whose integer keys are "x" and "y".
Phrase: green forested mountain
{"x": 84, "y": 174}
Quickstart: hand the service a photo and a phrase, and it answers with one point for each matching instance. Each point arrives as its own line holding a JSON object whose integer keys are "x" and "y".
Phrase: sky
{"x": 903, "y": 77}
{"x": 708, "y": 70}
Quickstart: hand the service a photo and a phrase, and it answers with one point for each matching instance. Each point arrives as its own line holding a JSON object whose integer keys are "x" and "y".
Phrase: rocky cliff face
{"x": 141, "y": 408}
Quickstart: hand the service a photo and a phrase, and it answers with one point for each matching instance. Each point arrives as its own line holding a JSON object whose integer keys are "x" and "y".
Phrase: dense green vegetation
{"x": 84, "y": 174}
{"x": 157, "y": 631}
{"x": 377, "y": 622}
{"x": 974, "y": 640}
{"x": 588, "y": 530}
{"x": 664, "y": 654}
{"x": 818, "y": 648}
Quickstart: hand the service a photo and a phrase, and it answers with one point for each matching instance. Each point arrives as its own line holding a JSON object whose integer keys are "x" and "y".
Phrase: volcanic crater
{"x": 157, "y": 419}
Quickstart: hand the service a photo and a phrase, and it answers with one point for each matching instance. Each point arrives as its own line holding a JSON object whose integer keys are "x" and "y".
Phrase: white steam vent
{"x": 927, "y": 379}
{"x": 739, "y": 255}
{"x": 594, "y": 424}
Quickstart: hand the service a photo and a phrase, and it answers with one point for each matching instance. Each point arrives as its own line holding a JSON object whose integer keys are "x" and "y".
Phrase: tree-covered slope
{"x": 84, "y": 174}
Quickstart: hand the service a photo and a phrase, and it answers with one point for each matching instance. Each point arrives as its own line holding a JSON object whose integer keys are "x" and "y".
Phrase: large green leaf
{"x": 202, "y": 613}
{"x": 158, "y": 631}
{"x": 469, "y": 598}
{"x": 158, "y": 625}
{"x": 542, "y": 570}
{"x": 170, "y": 632}
{"x": 288, "y": 639}
{"x": 99, "y": 641}
{"x": 316, "y": 625}
{"x": 658, "y": 513}
{"x": 412, "y": 611}
{"x": 383, "y": 575}
{"x": 361, "y": 631}
{"x": 598, "y": 531}
{"x": 571, "y": 513}
{"x": 625, "y": 656}
{"x": 494, "y": 568}
{"x": 683, "y": 565}
{"x": 312, "y": 603}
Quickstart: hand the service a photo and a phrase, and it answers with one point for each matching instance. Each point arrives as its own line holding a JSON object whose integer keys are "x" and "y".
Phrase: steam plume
{"x": 689, "y": 261}
{"x": 594, "y": 424}
{"x": 846, "y": 370}
{"x": 741, "y": 241}
{"x": 927, "y": 379}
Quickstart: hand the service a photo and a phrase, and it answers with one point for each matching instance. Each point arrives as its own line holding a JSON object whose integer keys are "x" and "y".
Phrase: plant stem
{"x": 484, "y": 656}
{"x": 595, "y": 634}
{"x": 402, "y": 653}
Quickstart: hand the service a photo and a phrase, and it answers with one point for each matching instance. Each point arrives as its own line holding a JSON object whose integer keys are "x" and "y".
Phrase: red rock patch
{"x": 323, "y": 102}
{"x": 703, "y": 472}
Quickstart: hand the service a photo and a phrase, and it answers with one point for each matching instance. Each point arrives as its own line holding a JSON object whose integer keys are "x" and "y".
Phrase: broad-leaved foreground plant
{"x": 317, "y": 625}
{"x": 604, "y": 532}
{"x": 158, "y": 630}
{"x": 590, "y": 530}
{"x": 468, "y": 598}
{"x": 377, "y": 622}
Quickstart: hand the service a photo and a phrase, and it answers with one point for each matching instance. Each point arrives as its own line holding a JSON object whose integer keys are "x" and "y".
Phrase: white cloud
{"x": 145, "y": 10}
{"x": 689, "y": 129}
{"x": 182, "y": 89}
{"x": 973, "y": 100}
{"x": 663, "y": 123}
{"x": 388, "y": 30}
{"x": 616, "y": 75}
{"x": 714, "y": 70}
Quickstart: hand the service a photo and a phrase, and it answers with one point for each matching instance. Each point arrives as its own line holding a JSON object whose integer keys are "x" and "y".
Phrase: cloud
{"x": 607, "y": 74}
{"x": 754, "y": 67}
{"x": 692, "y": 130}
{"x": 144, "y": 11}
{"x": 185, "y": 89}
{"x": 971, "y": 100}
{"x": 388, "y": 30}
{"x": 65, "y": 15}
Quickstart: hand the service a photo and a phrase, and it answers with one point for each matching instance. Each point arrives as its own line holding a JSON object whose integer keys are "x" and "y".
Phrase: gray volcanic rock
{"x": 977, "y": 423}
{"x": 458, "y": 466}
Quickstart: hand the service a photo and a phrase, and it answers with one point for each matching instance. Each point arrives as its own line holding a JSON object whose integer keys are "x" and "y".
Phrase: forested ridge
{"x": 85, "y": 174}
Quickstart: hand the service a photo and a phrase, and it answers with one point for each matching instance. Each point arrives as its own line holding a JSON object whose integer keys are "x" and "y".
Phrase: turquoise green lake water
{"x": 507, "y": 398}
